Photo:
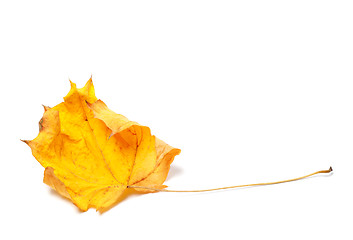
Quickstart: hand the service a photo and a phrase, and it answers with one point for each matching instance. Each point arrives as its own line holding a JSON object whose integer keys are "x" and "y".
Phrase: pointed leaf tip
{"x": 72, "y": 84}
{"x": 46, "y": 108}
{"x": 25, "y": 141}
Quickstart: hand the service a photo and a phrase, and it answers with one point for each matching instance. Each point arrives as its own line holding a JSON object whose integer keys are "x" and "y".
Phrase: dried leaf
{"x": 91, "y": 155}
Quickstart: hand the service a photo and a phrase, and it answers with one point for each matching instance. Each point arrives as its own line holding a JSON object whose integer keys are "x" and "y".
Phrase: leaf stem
{"x": 237, "y": 186}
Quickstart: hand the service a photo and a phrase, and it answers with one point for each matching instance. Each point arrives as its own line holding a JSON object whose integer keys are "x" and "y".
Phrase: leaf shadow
{"x": 56, "y": 194}
{"x": 174, "y": 171}
{"x": 128, "y": 193}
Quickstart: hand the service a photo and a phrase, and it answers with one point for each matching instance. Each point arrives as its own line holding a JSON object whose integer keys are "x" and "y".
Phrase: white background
{"x": 251, "y": 91}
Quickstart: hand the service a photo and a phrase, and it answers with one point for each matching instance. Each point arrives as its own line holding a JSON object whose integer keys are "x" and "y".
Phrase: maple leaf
{"x": 91, "y": 155}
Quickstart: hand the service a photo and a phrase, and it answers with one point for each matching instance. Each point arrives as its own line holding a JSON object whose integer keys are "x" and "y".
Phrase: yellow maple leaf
{"x": 91, "y": 155}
